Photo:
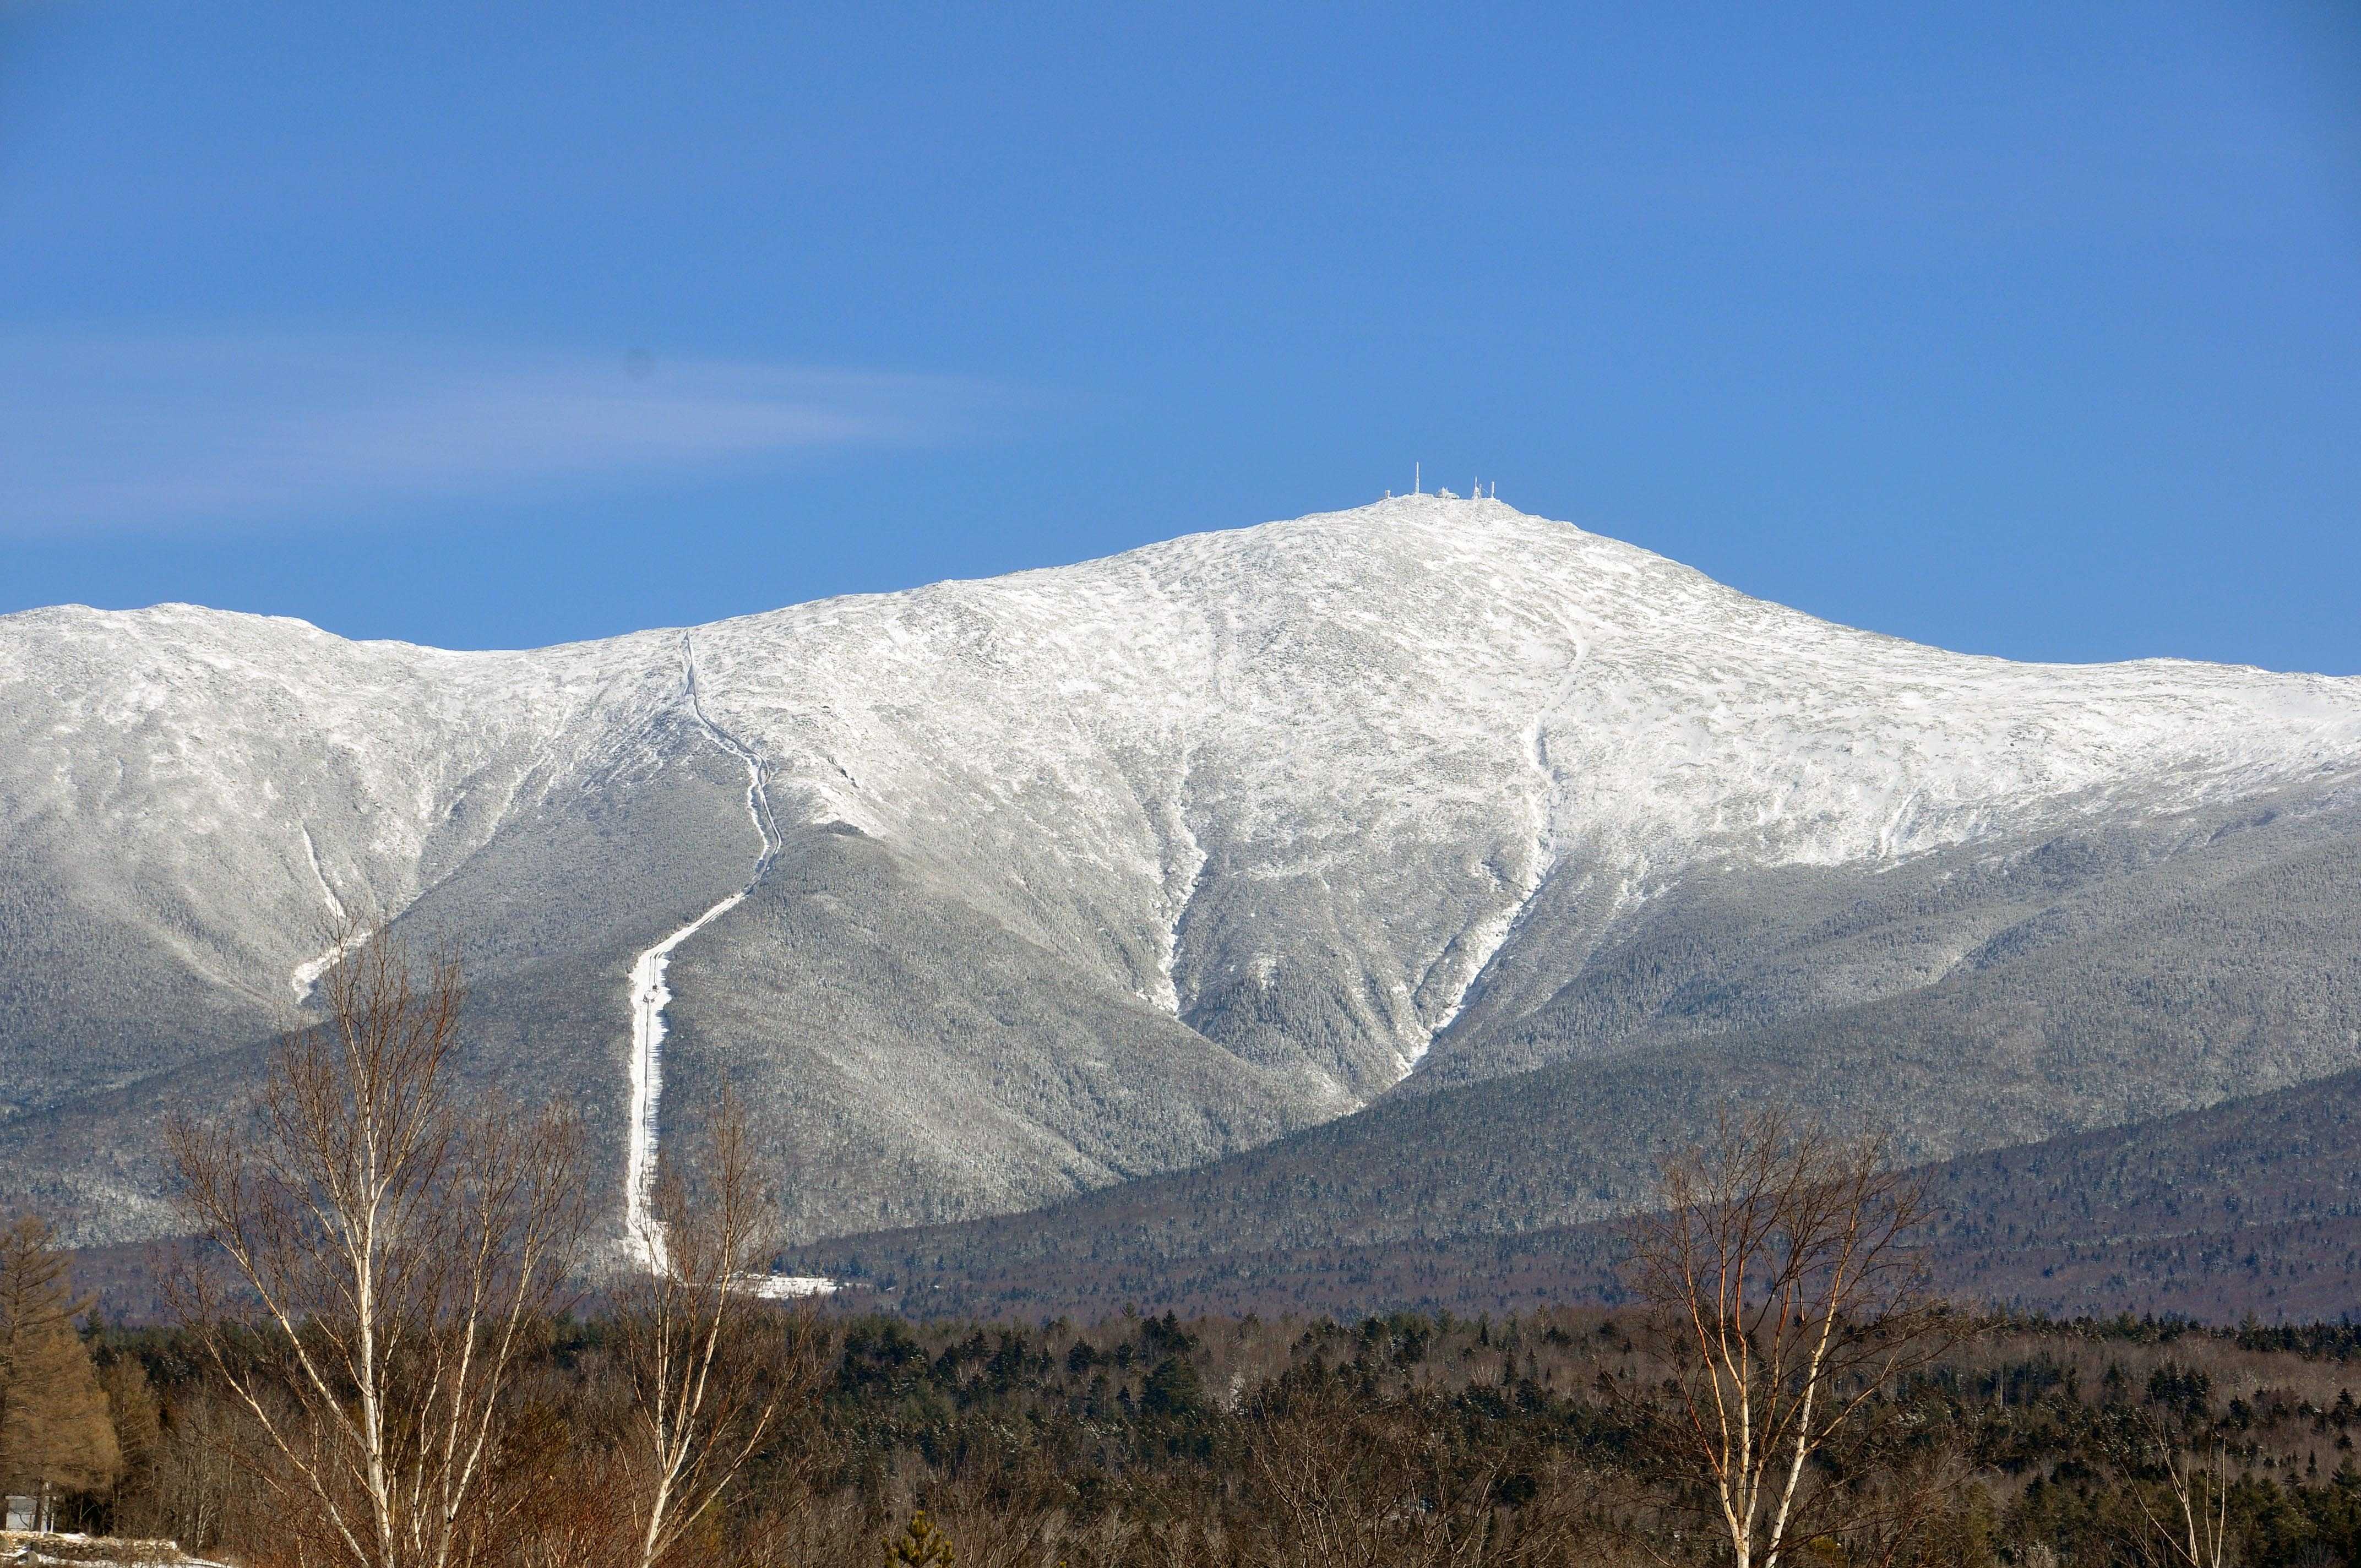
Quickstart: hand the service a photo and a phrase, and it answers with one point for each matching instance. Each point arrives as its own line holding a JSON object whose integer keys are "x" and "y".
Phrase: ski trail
{"x": 650, "y": 995}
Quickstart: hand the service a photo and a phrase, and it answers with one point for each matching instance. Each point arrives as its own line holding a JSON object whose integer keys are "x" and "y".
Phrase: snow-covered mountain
{"x": 1077, "y": 874}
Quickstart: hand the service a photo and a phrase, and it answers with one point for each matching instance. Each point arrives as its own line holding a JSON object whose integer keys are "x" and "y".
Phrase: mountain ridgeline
{"x": 1410, "y": 871}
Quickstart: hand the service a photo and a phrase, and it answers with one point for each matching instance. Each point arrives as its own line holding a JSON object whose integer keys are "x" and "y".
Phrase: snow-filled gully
{"x": 307, "y": 973}
{"x": 649, "y": 996}
{"x": 1493, "y": 932}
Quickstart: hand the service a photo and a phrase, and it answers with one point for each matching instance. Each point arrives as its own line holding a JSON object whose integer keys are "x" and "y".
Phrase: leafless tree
{"x": 1340, "y": 1488}
{"x": 687, "y": 1330}
{"x": 583, "y": 1519}
{"x": 2194, "y": 1529}
{"x": 385, "y": 1258}
{"x": 197, "y": 1482}
{"x": 1782, "y": 1275}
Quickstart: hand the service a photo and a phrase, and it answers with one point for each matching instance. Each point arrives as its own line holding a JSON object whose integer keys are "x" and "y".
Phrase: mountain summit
{"x": 990, "y": 892}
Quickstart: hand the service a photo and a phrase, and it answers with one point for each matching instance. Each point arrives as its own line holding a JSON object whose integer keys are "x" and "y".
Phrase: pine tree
{"x": 920, "y": 1545}
{"x": 55, "y": 1434}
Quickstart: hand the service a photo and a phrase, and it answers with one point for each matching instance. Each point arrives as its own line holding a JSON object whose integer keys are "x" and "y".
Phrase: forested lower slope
{"x": 2250, "y": 1208}
{"x": 1504, "y": 1189}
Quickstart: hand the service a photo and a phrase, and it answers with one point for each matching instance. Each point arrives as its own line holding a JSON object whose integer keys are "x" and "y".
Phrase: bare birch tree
{"x": 2194, "y": 1529}
{"x": 686, "y": 1329}
{"x": 1782, "y": 1274}
{"x": 385, "y": 1258}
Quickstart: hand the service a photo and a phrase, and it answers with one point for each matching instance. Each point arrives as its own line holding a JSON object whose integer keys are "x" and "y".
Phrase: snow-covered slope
{"x": 1237, "y": 826}
{"x": 1398, "y": 719}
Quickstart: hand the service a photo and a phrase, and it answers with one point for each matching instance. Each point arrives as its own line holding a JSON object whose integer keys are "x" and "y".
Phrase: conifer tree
{"x": 138, "y": 1433}
{"x": 55, "y": 1435}
{"x": 34, "y": 1288}
{"x": 920, "y": 1545}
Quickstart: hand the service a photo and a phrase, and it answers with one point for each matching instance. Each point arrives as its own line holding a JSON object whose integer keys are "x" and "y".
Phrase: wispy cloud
{"x": 109, "y": 433}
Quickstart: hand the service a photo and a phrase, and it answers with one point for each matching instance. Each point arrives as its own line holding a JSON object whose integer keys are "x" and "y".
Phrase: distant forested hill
{"x": 2253, "y": 1207}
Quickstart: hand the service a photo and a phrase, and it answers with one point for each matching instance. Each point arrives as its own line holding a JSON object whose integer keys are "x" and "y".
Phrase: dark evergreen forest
{"x": 1407, "y": 1439}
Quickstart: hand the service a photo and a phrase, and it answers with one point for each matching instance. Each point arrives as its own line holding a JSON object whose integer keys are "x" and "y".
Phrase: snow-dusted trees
{"x": 1783, "y": 1277}
{"x": 387, "y": 1258}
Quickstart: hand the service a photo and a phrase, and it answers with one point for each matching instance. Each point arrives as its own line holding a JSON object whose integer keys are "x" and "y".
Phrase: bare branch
{"x": 1787, "y": 1288}
{"x": 387, "y": 1253}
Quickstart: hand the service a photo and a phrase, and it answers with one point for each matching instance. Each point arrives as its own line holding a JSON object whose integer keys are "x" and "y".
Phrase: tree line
{"x": 404, "y": 1345}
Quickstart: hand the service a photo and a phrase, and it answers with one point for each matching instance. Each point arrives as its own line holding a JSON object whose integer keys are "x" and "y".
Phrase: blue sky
{"x": 2030, "y": 329}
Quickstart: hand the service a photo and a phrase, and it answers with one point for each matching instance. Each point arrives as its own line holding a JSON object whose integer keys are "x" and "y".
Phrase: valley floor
{"x": 1230, "y": 1443}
